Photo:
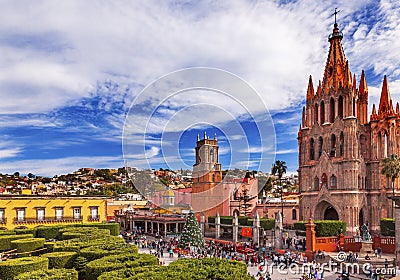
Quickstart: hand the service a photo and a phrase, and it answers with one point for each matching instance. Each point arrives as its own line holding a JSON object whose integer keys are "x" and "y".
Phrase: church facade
{"x": 340, "y": 149}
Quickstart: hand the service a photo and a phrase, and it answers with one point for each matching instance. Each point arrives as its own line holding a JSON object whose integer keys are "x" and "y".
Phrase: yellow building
{"x": 30, "y": 210}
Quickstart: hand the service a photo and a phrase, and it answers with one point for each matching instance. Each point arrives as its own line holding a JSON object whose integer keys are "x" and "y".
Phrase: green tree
{"x": 278, "y": 169}
{"x": 191, "y": 234}
{"x": 391, "y": 169}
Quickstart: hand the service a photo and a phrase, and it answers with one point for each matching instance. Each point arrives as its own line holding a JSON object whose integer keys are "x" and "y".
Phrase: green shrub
{"x": 95, "y": 268}
{"x": 83, "y": 233}
{"x": 267, "y": 223}
{"x": 28, "y": 244}
{"x": 80, "y": 263}
{"x": 226, "y": 220}
{"x": 101, "y": 250}
{"x": 5, "y": 240}
{"x": 61, "y": 259}
{"x": 113, "y": 227}
{"x": 242, "y": 220}
{"x": 26, "y": 231}
{"x": 7, "y": 232}
{"x": 71, "y": 235}
{"x": 323, "y": 228}
{"x": 11, "y": 268}
{"x": 49, "y": 232}
{"x": 49, "y": 246}
{"x": 127, "y": 273}
{"x": 326, "y": 228}
{"x": 76, "y": 244}
{"x": 388, "y": 227}
{"x": 51, "y": 274}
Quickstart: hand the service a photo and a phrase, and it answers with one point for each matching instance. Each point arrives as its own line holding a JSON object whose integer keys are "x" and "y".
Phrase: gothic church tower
{"x": 340, "y": 150}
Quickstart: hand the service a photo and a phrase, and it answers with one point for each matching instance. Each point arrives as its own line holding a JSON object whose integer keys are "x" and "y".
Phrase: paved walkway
{"x": 295, "y": 272}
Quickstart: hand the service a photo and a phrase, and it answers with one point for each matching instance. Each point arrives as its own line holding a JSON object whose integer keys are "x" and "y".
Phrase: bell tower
{"x": 207, "y": 175}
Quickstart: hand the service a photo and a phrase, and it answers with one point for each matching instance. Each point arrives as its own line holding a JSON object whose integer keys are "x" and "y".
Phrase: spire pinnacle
{"x": 384, "y": 102}
{"x": 363, "y": 88}
{"x": 354, "y": 83}
{"x": 310, "y": 89}
{"x": 374, "y": 116}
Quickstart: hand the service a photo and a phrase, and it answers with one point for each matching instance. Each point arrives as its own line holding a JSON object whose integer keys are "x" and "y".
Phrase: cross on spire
{"x": 335, "y": 13}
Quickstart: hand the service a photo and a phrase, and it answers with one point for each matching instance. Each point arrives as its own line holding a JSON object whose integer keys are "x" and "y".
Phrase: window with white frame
{"x": 2, "y": 215}
{"x": 59, "y": 213}
{"x": 77, "y": 213}
{"x": 20, "y": 214}
{"x": 94, "y": 212}
{"x": 40, "y": 214}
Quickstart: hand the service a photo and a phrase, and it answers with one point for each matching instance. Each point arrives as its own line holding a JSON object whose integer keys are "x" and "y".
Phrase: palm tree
{"x": 279, "y": 168}
{"x": 391, "y": 169}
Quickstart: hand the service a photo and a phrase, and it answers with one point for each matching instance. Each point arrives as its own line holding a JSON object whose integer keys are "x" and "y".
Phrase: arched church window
{"x": 320, "y": 146}
{"x": 363, "y": 146}
{"x": 324, "y": 180}
{"x": 333, "y": 182}
{"x": 385, "y": 145}
{"x": 316, "y": 183}
{"x": 340, "y": 107}
{"x": 332, "y": 110}
{"x": 359, "y": 182}
{"x": 341, "y": 143}
{"x": 312, "y": 149}
{"x": 213, "y": 177}
{"x": 316, "y": 113}
{"x": 322, "y": 113}
{"x": 333, "y": 145}
{"x": 212, "y": 155}
{"x": 294, "y": 214}
{"x": 379, "y": 146}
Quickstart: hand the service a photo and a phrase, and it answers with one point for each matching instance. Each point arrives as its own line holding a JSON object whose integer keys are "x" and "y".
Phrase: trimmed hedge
{"x": 227, "y": 220}
{"x": 98, "y": 251}
{"x": 51, "y": 274}
{"x": 26, "y": 231}
{"x": 11, "y": 268}
{"x": 49, "y": 232}
{"x": 113, "y": 227}
{"x": 76, "y": 244}
{"x": 61, "y": 259}
{"x": 83, "y": 233}
{"x": 53, "y": 232}
{"x": 95, "y": 268}
{"x": 388, "y": 227}
{"x": 183, "y": 269}
{"x": 5, "y": 240}
{"x": 7, "y": 232}
{"x": 28, "y": 244}
{"x": 265, "y": 223}
{"x": 127, "y": 273}
{"x": 323, "y": 228}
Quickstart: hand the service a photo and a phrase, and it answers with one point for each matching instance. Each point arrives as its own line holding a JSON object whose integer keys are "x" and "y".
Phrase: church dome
{"x": 169, "y": 192}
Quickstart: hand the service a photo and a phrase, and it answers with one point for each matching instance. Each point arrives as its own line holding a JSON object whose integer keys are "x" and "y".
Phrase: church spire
{"x": 354, "y": 83}
{"x": 347, "y": 76}
{"x": 335, "y": 67}
{"x": 310, "y": 89}
{"x": 363, "y": 88}
{"x": 385, "y": 102}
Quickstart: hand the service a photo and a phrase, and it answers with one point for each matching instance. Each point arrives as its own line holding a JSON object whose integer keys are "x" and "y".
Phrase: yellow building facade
{"x": 31, "y": 211}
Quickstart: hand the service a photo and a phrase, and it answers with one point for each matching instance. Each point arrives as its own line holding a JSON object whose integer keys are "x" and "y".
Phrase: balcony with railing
{"x": 94, "y": 218}
{"x": 44, "y": 220}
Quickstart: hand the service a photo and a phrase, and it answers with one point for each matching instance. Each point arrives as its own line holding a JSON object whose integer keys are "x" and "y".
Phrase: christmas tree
{"x": 191, "y": 236}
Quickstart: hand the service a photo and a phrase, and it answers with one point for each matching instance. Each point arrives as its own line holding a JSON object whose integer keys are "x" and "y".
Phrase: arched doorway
{"x": 325, "y": 211}
{"x": 331, "y": 214}
{"x": 361, "y": 217}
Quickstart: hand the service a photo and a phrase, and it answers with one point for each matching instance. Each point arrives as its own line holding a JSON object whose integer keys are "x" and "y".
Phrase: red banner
{"x": 247, "y": 232}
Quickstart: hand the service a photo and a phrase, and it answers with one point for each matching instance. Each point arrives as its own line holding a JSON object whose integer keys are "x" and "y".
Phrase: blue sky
{"x": 70, "y": 71}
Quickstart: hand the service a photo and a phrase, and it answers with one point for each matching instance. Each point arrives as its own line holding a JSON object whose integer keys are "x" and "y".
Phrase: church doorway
{"x": 361, "y": 217}
{"x": 331, "y": 214}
